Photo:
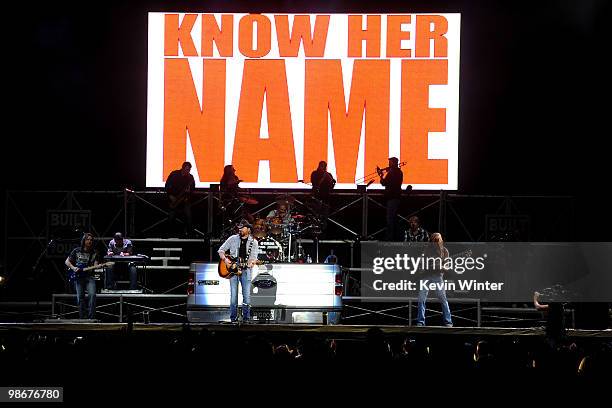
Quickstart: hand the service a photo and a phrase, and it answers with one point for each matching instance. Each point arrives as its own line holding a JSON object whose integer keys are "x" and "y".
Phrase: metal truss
{"x": 354, "y": 216}
{"x": 374, "y": 308}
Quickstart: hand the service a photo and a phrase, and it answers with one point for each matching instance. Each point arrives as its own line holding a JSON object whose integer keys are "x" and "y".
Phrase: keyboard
{"x": 128, "y": 258}
{"x": 122, "y": 291}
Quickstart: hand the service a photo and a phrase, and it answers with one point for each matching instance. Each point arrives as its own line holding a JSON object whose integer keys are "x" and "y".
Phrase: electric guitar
{"x": 328, "y": 180}
{"x": 237, "y": 265}
{"x": 72, "y": 275}
{"x": 426, "y": 271}
{"x": 177, "y": 200}
{"x": 463, "y": 254}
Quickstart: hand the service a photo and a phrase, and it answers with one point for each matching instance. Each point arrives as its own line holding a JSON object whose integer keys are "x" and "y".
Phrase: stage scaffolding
{"x": 29, "y": 240}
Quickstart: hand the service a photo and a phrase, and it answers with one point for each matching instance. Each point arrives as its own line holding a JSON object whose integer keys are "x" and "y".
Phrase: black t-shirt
{"x": 322, "y": 181}
{"x": 229, "y": 187}
{"x": 242, "y": 252}
{"x": 177, "y": 183}
{"x": 81, "y": 259}
{"x": 393, "y": 183}
{"x": 229, "y": 183}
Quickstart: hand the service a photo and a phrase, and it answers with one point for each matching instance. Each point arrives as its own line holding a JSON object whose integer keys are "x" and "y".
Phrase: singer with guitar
{"x": 179, "y": 186}
{"x": 243, "y": 249}
{"x": 80, "y": 263}
{"x": 392, "y": 181}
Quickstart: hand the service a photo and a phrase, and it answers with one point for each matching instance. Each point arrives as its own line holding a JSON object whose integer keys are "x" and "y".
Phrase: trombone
{"x": 370, "y": 178}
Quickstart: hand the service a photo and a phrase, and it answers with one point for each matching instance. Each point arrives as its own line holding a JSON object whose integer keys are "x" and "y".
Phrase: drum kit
{"x": 279, "y": 233}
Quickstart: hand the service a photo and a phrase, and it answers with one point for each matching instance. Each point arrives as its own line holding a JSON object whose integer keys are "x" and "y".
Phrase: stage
{"x": 356, "y": 146}
{"x": 74, "y": 327}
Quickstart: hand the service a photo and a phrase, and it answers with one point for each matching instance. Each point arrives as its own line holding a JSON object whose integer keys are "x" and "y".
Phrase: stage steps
{"x": 169, "y": 263}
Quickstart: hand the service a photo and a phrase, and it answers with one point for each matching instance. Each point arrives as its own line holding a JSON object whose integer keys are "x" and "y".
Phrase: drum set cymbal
{"x": 248, "y": 200}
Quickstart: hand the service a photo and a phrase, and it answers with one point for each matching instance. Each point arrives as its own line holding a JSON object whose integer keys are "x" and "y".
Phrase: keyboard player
{"x": 119, "y": 247}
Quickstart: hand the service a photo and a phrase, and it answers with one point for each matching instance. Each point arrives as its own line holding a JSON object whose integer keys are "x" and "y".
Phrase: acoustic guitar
{"x": 237, "y": 265}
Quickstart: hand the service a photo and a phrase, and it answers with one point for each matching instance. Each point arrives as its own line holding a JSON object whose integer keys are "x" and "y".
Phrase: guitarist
{"x": 179, "y": 186}
{"x": 243, "y": 247}
{"x": 80, "y": 258}
{"x": 435, "y": 249}
{"x": 229, "y": 183}
{"x": 322, "y": 182}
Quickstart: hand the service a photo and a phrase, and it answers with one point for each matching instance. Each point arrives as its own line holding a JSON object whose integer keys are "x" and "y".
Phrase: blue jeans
{"x": 80, "y": 284}
{"x": 441, "y": 295}
{"x": 110, "y": 276}
{"x": 245, "y": 283}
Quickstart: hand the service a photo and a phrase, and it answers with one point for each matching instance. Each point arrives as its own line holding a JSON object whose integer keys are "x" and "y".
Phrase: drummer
{"x": 281, "y": 213}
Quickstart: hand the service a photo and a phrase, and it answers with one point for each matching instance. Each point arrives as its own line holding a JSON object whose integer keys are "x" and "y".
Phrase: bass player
{"x": 80, "y": 260}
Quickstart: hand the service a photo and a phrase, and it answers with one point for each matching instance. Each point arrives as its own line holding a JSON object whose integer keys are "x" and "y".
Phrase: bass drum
{"x": 276, "y": 226}
{"x": 260, "y": 230}
{"x": 270, "y": 250}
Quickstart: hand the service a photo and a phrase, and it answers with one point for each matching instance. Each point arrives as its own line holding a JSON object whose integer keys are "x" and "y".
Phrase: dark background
{"x": 533, "y": 91}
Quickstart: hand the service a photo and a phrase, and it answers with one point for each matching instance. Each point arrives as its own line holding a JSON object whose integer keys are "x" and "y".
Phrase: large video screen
{"x": 275, "y": 94}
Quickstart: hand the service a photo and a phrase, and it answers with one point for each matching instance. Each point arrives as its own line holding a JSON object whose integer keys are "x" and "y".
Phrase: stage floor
{"x": 334, "y": 331}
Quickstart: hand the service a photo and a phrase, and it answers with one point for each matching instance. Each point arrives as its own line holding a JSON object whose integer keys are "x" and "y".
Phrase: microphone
{"x": 370, "y": 182}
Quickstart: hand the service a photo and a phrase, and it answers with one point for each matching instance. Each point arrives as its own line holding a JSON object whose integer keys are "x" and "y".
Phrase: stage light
{"x": 2, "y": 280}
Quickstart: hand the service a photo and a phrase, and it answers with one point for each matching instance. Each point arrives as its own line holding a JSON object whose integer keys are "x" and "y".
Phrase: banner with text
{"x": 274, "y": 94}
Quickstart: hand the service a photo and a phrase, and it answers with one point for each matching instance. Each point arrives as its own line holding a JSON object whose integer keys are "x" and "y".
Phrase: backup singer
{"x": 179, "y": 186}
